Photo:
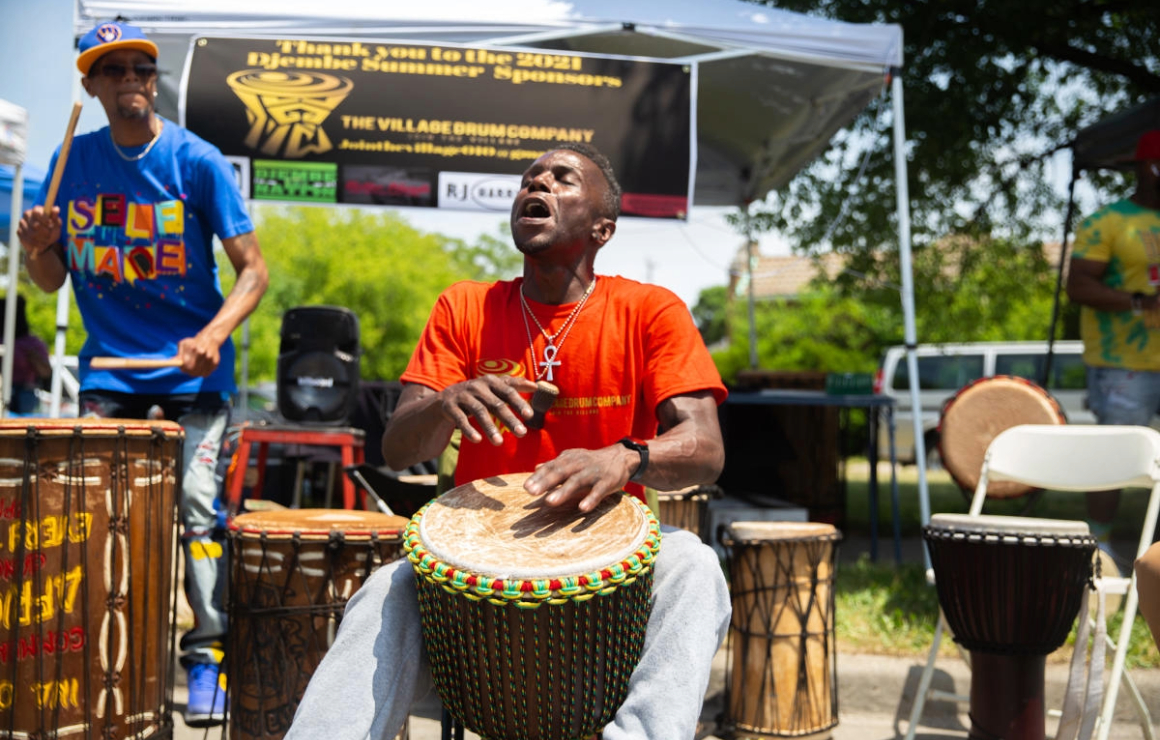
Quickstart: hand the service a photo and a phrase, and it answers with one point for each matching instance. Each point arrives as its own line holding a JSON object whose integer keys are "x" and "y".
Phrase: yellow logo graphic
{"x": 498, "y": 367}
{"x": 286, "y": 109}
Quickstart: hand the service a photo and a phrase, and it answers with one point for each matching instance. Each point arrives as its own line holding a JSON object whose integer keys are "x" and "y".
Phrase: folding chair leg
{"x": 924, "y": 681}
{"x": 1141, "y": 708}
{"x": 1117, "y": 674}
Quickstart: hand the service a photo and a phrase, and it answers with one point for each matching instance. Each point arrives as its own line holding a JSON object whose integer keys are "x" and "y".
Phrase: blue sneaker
{"x": 207, "y": 702}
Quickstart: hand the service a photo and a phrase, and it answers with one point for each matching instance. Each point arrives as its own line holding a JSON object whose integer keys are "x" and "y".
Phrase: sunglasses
{"x": 118, "y": 71}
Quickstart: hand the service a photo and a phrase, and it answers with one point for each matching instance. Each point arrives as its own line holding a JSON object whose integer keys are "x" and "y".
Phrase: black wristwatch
{"x": 642, "y": 448}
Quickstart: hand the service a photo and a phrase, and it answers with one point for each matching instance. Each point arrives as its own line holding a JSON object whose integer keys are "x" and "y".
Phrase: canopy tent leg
{"x": 10, "y": 299}
{"x": 62, "y": 303}
{"x": 902, "y": 191}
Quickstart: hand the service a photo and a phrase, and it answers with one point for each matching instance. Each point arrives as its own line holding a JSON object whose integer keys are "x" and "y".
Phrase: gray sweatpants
{"x": 377, "y": 667}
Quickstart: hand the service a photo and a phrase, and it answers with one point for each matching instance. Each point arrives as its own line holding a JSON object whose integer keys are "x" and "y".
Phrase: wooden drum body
{"x": 782, "y": 673}
{"x": 533, "y": 616}
{"x": 293, "y": 571}
{"x": 1010, "y": 588}
{"x": 973, "y": 417}
{"x": 687, "y": 509}
{"x": 88, "y": 543}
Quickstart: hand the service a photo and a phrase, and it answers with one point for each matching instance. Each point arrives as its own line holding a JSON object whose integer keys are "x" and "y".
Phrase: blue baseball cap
{"x": 110, "y": 37}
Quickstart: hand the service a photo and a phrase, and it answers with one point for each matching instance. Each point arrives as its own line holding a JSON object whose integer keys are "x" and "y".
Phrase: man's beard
{"x": 134, "y": 113}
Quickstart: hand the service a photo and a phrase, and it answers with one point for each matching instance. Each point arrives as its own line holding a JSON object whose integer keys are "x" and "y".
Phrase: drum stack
{"x": 781, "y": 678}
{"x": 87, "y": 624}
{"x": 293, "y": 571}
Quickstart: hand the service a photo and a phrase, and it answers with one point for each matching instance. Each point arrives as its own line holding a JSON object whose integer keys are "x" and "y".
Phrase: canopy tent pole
{"x": 10, "y": 298}
{"x": 62, "y": 297}
{"x": 1070, "y": 214}
{"x": 902, "y": 191}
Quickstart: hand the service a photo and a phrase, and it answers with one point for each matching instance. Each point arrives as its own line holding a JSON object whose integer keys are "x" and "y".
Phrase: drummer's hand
{"x": 583, "y": 477}
{"x": 199, "y": 355}
{"x": 39, "y": 229}
{"x": 486, "y": 399}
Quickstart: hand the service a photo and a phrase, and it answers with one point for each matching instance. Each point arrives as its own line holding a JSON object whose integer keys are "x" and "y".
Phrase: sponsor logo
{"x": 286, "y": 109}
{"x": 479, "y": 192}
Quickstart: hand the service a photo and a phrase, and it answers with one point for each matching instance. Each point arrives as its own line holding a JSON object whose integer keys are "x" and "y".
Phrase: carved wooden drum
{"x": 1010, "y": 588}
{"x": 782, "y": 675}
{"x": 533, "y": 616}
{"x": 87, "y": 596}
{"x": 293, "y": 571}
{"x": 974, "y": 416}
{"x": 687, "y": 509}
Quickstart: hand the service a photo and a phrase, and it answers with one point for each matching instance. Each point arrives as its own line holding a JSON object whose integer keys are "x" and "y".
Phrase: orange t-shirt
{"x": 631, "y": 346}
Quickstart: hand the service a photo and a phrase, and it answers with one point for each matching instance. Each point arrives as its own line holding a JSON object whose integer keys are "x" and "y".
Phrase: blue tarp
{"x": 33, "y": 176}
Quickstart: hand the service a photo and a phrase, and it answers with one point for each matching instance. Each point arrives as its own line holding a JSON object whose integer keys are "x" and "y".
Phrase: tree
{"x": 375, "y": 264}
{"x": 973, "y": 290}
{"x": 709, "y": 314}
{"x": 990, "y": 88}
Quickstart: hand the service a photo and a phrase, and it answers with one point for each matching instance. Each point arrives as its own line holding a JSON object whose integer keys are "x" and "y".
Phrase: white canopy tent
{"x": 773, "y": 86}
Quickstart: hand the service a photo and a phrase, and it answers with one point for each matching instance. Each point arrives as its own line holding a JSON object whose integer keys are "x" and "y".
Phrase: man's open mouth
{"x": 535, "y": 209}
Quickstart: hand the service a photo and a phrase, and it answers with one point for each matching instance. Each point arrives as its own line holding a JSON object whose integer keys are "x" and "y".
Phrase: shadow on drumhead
{"x": 543, "y": 520}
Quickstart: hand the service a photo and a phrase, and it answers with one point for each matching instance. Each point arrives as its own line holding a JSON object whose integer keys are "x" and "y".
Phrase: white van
{"x": 945, "y": 368}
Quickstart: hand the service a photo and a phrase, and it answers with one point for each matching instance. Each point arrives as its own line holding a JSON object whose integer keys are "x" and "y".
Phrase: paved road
{"x": 874, "y": 701}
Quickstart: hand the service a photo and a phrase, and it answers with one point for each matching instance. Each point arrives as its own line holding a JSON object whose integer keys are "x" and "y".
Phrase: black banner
{"x": 434, "y": 125}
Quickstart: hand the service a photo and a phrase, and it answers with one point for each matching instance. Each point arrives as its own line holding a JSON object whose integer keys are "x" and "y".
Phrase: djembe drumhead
{"x": 533, "y": 616}
{"x": 973, "y": 417}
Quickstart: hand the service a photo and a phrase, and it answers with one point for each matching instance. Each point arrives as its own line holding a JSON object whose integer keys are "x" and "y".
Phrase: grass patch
{"x": 887, "y": 610}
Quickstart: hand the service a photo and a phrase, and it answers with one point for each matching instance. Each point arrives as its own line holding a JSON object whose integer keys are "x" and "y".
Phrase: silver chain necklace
{"x": 141, "y": 155}
{"x": 552, "y": 349}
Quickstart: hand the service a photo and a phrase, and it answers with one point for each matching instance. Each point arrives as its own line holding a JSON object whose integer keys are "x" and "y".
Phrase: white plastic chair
{"x": 1072, "y": 458}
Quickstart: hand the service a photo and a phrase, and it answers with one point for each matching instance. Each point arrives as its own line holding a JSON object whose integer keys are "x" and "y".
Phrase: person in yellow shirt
{"x": 1115, "y": 277}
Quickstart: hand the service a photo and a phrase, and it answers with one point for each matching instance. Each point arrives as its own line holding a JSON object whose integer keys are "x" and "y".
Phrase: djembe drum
{"x": 533, "y": 616}
{"x": 293, "y": 570}
{"x": 1010, "y": 588}
{"x": 974, "y": 416}
{"x": 687, "y": 509}
{"x": 89, "y": 546}
{"x": 782, "y": 674}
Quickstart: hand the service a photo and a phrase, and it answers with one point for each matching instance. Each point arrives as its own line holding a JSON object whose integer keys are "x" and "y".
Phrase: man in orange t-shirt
{"x": 628, "y": 362}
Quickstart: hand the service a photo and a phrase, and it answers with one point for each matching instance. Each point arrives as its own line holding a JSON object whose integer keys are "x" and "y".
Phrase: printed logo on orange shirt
{"x": 499, "y": 367}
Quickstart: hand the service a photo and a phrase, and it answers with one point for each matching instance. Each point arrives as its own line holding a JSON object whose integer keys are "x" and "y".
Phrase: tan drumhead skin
{"x": 317, "y": 522}
{"x": 988, "y": 524}
{"x": 745, "y": 531}
{"x": 494, "y": 528}
{"x": 89, "y": 427}
{"x": 974, "y": 417}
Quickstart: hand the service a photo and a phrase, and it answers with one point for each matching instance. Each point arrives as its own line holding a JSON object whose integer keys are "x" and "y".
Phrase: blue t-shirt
{"x": 138, "y": 244}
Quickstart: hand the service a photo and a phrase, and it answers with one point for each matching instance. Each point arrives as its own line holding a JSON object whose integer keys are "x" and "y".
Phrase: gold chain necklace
{"x": 551, "y": 350}
{"x": 141, "y": 155}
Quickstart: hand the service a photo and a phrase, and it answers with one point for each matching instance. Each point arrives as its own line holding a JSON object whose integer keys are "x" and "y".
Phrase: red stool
{"x": 349, "y": 440}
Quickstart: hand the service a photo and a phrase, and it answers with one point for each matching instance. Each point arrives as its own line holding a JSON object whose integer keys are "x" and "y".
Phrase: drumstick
{"x": 133, "y": 363}
{"x": 58, "y": 171}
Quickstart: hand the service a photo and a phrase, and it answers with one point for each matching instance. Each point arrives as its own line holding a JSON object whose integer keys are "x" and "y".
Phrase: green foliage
{"x": 40, "y": 308}
{"x": 373, "y": 263}
{"x": 709, "y": 314}
{"x": 991, "y": 87}
{"x": 820, "y": 331}
{"x": 965, "y": 290}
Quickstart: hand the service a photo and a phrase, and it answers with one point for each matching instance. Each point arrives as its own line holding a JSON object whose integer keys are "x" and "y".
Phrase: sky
{"x": 38, "y": 56}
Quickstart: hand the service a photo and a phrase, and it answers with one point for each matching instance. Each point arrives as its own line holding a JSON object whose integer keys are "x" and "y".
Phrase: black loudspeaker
{"x": 318, "y": 361}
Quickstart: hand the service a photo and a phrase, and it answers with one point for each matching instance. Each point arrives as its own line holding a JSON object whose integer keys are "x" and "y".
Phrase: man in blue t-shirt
{"x": 133, "y": 225}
